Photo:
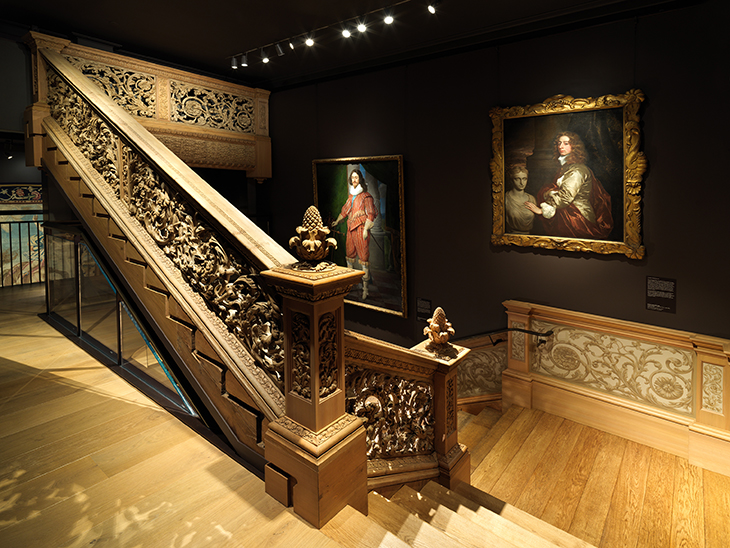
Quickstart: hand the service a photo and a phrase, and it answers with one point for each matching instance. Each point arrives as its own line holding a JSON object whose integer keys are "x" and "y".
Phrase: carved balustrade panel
{"x": 213, "y": 269}
{"x": 134, "y": 91}
{"x": 646, "y": 372}
{"x": 210, "y": 108}
{"x": 398, "y": 412}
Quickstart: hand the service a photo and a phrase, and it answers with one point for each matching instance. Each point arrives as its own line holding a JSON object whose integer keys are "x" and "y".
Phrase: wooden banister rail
{"x": 184, "y": 251}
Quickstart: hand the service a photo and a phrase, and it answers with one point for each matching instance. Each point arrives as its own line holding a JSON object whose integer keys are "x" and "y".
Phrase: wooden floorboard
{"x": 87, "y": 460}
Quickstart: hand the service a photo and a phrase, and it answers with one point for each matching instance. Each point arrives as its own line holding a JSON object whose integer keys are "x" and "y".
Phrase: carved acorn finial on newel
{"x": 311, "y": 243}
{"x": 439, "y": 330}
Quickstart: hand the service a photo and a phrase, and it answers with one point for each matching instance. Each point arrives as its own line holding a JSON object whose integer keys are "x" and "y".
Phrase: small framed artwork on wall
{"x": 566, "y": 174}
{"x": 361, "y": 201}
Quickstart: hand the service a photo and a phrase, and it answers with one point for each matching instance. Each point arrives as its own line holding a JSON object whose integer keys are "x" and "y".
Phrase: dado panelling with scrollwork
{"x": 646, "y": 372}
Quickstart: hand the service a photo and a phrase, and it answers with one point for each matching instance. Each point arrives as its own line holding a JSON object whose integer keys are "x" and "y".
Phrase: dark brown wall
{"x": 436, "y": 113}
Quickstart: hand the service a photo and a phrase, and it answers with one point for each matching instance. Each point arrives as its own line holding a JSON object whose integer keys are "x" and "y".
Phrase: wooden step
{"x": 484, "y": 437}
{"x": 407, "y": 527}
{"x": 351, "y": 529}
{"x": 495, "y": 532}
{"x": 466, "y": 499}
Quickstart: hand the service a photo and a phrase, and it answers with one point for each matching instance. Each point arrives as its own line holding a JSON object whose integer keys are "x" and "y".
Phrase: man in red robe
{"x": 360, "y": 212}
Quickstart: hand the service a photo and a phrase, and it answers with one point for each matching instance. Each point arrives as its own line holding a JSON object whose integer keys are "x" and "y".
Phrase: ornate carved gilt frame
{"x": 387, "y": 243}
{"x": 611, "y": 134}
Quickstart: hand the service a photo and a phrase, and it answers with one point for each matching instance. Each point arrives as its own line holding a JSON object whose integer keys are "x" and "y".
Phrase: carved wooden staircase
{"x": 436, "y": 516}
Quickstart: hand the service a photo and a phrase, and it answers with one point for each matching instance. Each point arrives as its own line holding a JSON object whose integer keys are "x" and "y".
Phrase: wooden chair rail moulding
{"x": 666, "y": 388}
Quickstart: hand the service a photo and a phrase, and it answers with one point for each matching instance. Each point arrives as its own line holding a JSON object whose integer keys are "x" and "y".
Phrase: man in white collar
{"x": 359, "y": 209}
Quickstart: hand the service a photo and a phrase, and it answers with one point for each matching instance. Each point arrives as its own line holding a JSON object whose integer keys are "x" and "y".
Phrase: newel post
{"x": 317, "y": 452}
{"x": 453, "y": 458}
{"x": 516, "y": 379}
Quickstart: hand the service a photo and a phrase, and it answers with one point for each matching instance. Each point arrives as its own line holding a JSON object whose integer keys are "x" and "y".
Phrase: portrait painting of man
{"x": 566, "y": 174}
{"x": 360, "y": 200}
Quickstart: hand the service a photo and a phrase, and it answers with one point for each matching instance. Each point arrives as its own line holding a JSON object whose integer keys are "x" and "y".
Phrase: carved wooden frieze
{"x": 645, "y": 372}
{"x": 481, "y": 372}
{"x": 214, "y": 271}
{"x": 301, "y": 374}
{"x": 398, "y": 413}
{"x": 328, "y": 378}
{"x": 133, "y": 91}
{"x": 712, "y": 383}
{"x": 210, "y": 108}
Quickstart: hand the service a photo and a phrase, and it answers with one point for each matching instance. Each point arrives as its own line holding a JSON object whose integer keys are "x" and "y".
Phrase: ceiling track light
{"x": 279, "y": 51}
{"x": 309, "y": 42}
{"x": 244, "y": 60}
{"x": 234, "y": 63}
{"x": 388, "y": 20}
{"x": 361, "y": 27}
{"x": 346, "y": 33}
{"x": 433, "y": 6}
{"x": 264, "y": 57}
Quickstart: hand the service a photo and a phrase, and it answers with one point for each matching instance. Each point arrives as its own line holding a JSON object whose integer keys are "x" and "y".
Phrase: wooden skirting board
{"x": 702, "y": 445}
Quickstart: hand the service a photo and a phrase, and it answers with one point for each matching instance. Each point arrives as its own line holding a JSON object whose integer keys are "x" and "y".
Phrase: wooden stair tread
{"x": 482, "y": 504}
{"x": 351, "y": 529}
{"x": 409, "y": 528}
{"x": 476, "y": 533}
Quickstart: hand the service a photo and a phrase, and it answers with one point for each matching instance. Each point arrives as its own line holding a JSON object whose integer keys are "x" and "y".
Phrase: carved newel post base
{"x": 317, "y": 452}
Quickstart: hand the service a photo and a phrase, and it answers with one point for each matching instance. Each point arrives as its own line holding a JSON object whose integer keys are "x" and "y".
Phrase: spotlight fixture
{"x": 346, "y": 33}
{"x": 234, "y": 63}
{"x": 279, "y": 51}
{"x": 291, "y": 44}
{"x": 432, "y": 6}
{"x": 361, "y": 27}
{"x": 264, "y": 56}
{"x": 309, "y": 42}
{"x": 244, "y": 60}
{"x": 388, "y": 20}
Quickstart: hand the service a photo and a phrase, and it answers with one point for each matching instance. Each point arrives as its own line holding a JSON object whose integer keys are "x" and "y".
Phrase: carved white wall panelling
{"x": 481, "y": 371}
{"x": 649, "y": 373}
{"x": 518, "y": 342}
{"x": 712, "y": 387}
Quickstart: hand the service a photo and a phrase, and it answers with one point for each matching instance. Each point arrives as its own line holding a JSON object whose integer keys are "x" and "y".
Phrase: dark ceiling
{"x": 203, "y": 36}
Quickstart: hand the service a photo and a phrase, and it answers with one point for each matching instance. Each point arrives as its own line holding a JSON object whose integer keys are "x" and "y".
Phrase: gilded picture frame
{"x": 376, "y": 206}
{"x": 586, "y": 199}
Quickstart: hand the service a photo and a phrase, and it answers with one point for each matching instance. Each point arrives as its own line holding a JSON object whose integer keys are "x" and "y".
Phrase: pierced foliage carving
{"x": 133, "y": 91}
{"x": 648, "y": 373}
{"x": 328, "y": 381}
{"x": 215, "y": 109}
{"x": 301, "y": 381}
{"x": 216, "y": 272}
{"x": 398, "y": 413}
{"x": 227, "y": 285}
{"x": 91, "y": 135}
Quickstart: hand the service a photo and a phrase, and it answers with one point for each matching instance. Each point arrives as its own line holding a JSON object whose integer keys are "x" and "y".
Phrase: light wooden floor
{"x": 603, "y": 489}
{"x": 87, "y": 460}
